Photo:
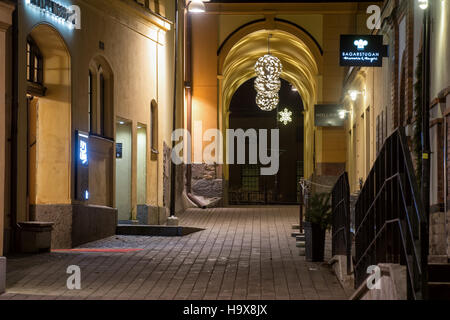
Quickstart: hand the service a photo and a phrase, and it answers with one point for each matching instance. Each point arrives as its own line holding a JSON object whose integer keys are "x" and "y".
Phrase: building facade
{"x": 391, "y": 97}
{"x": 91, "y": 117}
{"x": 227, "y": 41}
{"x": 6, "y": 9}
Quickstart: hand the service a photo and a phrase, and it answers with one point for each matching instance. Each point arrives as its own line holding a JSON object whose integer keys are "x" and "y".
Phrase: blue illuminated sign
{"x": 83, "y": 153}
{"x": 83, "y": 149}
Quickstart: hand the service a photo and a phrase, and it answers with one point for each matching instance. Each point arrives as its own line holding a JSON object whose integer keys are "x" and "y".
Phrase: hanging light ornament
{"x": 267, "y": 101}
{"x": 268, "y": 84}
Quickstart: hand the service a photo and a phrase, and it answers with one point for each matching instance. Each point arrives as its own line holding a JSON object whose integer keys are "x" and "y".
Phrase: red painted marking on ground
{"x": 98, "y": 250}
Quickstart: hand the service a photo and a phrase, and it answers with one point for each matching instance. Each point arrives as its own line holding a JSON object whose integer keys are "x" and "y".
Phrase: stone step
{"x": 301, "y": 244}
{"x": 439, "y": 272}
{"x": 295, "y": 227}
{"x": 301, "y": 238}
{"x": 155, "y": 231}
{"x": 439, "y": 290}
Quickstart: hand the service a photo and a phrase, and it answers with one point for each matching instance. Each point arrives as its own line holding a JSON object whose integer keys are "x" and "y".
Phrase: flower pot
{"x": 315, "y": 242}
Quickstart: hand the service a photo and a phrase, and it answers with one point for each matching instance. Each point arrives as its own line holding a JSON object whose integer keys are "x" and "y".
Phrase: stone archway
{"x": 302, "y": 61}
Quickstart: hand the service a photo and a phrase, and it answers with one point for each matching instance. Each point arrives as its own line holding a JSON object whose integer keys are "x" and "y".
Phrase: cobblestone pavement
{"x": 242, "y": 254}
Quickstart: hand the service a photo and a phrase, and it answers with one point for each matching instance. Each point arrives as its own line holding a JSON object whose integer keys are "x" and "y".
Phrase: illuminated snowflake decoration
{"x": 268, "y": 84}
{"x": 286, "y": 116}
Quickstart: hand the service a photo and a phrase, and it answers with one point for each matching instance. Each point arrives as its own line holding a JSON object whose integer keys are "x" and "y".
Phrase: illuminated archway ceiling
{"x": 299, "y": 66}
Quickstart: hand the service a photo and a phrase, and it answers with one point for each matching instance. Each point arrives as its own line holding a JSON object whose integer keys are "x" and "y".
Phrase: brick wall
{"x": 403, "y": 100}
{"x": 447, "y": 134}
{"x": 440, "y": 161}
{"x": 410, "y": 61}
{"x": 394, "y": 78}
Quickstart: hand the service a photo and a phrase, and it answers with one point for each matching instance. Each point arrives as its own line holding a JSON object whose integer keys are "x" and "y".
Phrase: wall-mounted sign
{"x": 362, "y": 51}
{"x": 82, "y": 166}
{"x": 119, "y": 150}
{"x": 71, "y": 15}
{"x": 328, "y": 115}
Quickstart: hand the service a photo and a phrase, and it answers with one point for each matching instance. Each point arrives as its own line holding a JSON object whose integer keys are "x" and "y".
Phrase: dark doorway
{"x": 247, "y": 185}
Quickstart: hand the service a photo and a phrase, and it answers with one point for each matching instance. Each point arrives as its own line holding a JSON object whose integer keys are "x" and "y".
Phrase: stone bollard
{"x": 35, "y": 237}
{"x": 173, "y": 221}
{"x": 2, "y": 275}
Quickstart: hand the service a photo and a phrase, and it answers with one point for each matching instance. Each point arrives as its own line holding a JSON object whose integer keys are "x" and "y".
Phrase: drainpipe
{"x": 446, "y": 185}
{"x": 14, "y": 131}
{"x": 174, "y": 117}
{"x": 189, "y": 91}
{"x": 426, "y": 148}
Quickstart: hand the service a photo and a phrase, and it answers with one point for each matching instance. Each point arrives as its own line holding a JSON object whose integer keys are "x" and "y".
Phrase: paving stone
{"x": 243, "y": 253}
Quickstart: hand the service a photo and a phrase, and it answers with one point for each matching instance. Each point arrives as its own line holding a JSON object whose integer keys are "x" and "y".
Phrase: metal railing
{"x": 391, "y": 226}
{"x": 340, "y": 203}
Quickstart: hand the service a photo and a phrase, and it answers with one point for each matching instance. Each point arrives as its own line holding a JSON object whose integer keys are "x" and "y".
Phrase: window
{"x": 102, "y": 104}
{"x": 35, "y": 69}
{"x": 35, "y": 63}
{"x": 154, "y": 127}
{"x": 250, "y": 178}
{"x": 101, "y": 98}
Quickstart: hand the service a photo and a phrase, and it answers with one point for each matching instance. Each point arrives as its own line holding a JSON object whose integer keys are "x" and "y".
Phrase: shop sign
{"x": 362, "y": 51}
{"x": 328, "y": 115}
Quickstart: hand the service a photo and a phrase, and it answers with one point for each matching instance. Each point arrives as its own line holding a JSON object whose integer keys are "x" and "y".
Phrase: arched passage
{"x": 49, "y": 118}
{"x": 301, "y": 59}
{"x": 246, "y": 184}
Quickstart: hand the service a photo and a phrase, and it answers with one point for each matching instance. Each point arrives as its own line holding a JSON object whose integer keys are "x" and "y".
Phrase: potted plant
{"x": 317, "y": 221}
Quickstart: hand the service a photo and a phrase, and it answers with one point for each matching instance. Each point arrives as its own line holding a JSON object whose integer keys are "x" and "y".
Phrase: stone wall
{"x": 167, "y": 152}
{"x": 61, "y": 216}
{"x": 206, "y": 181}
{"x": 438, "y": 235}
{"x": 75, "y": 225}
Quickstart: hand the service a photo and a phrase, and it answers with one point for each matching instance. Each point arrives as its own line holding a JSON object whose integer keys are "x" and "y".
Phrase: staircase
{"x": 439, "y": 281}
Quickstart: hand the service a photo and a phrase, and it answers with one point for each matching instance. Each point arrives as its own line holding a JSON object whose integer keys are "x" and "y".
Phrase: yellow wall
{"x": 5, "y": 22}
{"x": 139, "y": 49}
{"x": 204, "y": 71}
{"x": 53, "y": 116}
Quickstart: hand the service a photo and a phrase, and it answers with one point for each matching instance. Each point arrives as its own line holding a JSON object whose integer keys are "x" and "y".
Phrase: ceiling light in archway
{"x": 268, "y": 84}
{"x": 196, "y": 6}
{"x": 267, "y": 101}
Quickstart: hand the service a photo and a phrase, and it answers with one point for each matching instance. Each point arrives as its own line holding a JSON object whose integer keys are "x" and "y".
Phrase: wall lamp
{"x": 343, "y": 113}
{"x": 423, "y": 4}
{"x": 197, "y": 6}
{"x": 354, "y": 94}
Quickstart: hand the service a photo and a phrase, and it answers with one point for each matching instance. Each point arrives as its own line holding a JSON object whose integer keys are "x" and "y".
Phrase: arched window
{"x": 101, "y": 93}
{"x": 35, "y": 69}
